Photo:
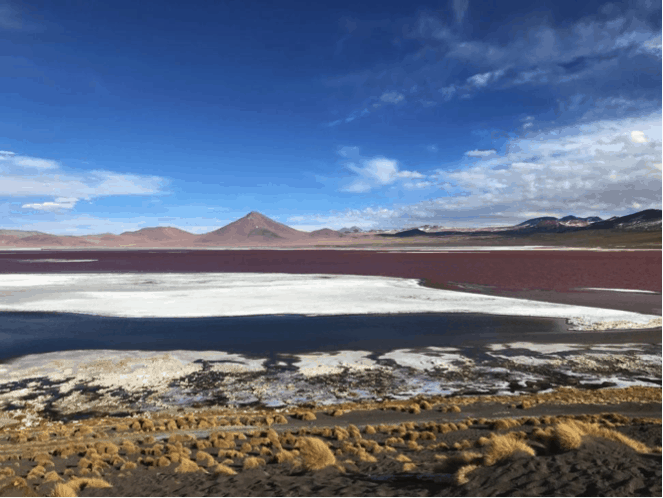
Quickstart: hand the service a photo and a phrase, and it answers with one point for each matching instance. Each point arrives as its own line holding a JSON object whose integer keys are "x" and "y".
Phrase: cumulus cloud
{"x": 373, "y": 172}
{"x": 589, "y": 169}
{"x": 638, "y": 137}
{"x": 25, "y": 177}
{"x": 480, "y": 152}
{"x": 392, "y": 97}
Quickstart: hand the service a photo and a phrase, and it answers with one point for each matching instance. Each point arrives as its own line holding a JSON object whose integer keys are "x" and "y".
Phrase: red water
{"x": 559, "y": 271}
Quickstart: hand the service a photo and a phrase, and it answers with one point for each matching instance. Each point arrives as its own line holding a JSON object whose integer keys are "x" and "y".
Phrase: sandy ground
{"x": 567, "y": 442}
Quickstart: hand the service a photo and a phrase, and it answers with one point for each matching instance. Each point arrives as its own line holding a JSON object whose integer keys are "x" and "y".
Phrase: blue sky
{"x": 117, "y": 116}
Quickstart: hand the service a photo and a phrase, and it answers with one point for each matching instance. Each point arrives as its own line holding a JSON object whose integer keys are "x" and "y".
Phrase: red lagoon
{"x": 509, "y": 270}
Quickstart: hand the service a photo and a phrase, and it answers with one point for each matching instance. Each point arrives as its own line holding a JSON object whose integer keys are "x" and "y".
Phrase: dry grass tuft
{"x": 36, "y": 472}
{"x": 369, "y": 429}
{"x": 284, "y": 456}
{"x": 205, "y": 459}
{"x": 7, "y": 472}
{"x": 128, "y": 466}
{"x": 60, "y": 489}
{"x": 187, "y": 466}
{"x": 354, "y": 432}
{"x": 402, "y": 458}
{"x": 460, "y": 477}
{"x": 315, "y": 453}
{"x": 280, "y": 419}
{"x": 252, "y": 463}
{"x": 568, "y": 434}
{"x": 366, "y": 457}
{"x": 52, "y": 476}
{"x": 221, "y": 469}
{"x": 79, "y": 483}
{"x": 506, "y": 446}
{"x": 308, "y": 416}
{"x": 505, "y": 423}
{"x": 453, "y": 463}
{"x": 409, "y": 467}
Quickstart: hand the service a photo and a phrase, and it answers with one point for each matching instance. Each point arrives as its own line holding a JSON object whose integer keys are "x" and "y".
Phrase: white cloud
{"x": 6, "y": 153}
{"x": 34, "y": 162}
{"x": 61, "y": 203}
{"x": 638, "y": 137}
{"x": 392, "y": 97}
{"x": 480, "y": 153}
{"x": 27, "y": 177}
{"x": 589, "y": 169}
{"x": 373, "y": 172}
{"x": 483, "y": 79}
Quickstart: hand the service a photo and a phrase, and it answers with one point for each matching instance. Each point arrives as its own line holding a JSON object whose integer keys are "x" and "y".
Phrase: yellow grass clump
{"x": 128, "y": 466}
{"x": 7, "y": 472}
{"x": 79, "y": 483}
{"x": 205, "y": 459}
{"x": 369, "y": 429}
{"x": 162, "y": 462}
{"x": 402, "y": 458}
{"x": 315, "y": 453}
{"x": 252, "y": 463}
{"x": 460, "y": 477}
{"x": 308, "y": 416}
{"x": 366, "y": 457}
{"x": 52, "y": 476}
{"x": 506, "y": 446}
{"x": 505, "y": 423}
{"x": 568, "y": 435}
{"x": 36, "y": 472}
{"x": 284, "y": 456}
{"x": 409, "y": 467}
{"x": 354, "y": 432}
{"x": 58, "y": 489}
{"x": 453, "y": 463}
{"x": 221, "y": 469}
{"x": 187, "y": 466}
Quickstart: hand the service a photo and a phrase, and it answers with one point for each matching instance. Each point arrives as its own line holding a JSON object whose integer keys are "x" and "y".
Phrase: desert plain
{"x": 396, "y": 369}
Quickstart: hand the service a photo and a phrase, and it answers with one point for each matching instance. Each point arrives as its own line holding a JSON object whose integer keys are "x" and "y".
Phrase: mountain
{"x": 415, "y": 232}
{"x": 535, "y": 221}
{"x": 253, "y": 228}
{"x": 350, "y": 230}
{"x": 19, "y": 233}
{"x": 159, "y": 235}
{"x": 642, "y": 221}
{"x": 326, "y": 233}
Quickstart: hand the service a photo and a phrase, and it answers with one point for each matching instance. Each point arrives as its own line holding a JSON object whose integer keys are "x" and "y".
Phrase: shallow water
{"x": 32, "y": 333}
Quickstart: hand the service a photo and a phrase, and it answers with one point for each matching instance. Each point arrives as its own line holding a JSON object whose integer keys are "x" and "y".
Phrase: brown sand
{"x": 485, "y": 446}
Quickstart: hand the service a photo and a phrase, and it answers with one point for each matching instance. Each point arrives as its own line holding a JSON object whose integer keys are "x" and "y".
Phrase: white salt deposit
{"x": 620, "y": 290}
{"x": 311, "y": 365}
{"x": 429, "y": 359}
{"x": 243, "y": 294}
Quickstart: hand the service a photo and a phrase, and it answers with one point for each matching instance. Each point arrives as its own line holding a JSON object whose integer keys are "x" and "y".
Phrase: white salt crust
{"x": 177, "y": 295}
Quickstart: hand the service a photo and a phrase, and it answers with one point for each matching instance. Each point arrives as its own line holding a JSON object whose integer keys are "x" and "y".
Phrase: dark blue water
{"x": 30, "y": 333}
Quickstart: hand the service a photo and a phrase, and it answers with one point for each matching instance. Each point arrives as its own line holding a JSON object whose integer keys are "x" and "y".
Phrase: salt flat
{"x": 179, "y": 295}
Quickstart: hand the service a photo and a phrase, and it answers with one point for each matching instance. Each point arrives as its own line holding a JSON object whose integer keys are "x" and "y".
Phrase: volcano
{"x": 253, "y": 228}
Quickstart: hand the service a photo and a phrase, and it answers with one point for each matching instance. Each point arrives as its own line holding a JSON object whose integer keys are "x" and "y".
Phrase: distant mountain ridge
{"x": 256, "y": 229}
